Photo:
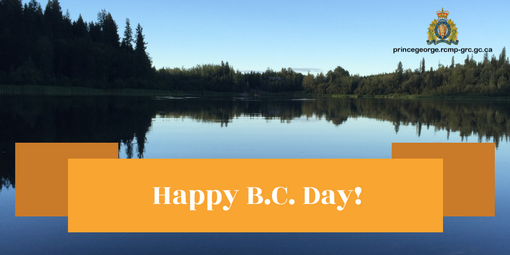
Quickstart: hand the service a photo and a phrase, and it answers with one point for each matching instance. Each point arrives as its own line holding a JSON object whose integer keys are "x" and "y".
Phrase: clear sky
{"x": 304, "y": 35}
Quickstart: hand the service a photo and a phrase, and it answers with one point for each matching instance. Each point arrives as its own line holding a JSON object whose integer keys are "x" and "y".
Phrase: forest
{"x": 43, "y": 46}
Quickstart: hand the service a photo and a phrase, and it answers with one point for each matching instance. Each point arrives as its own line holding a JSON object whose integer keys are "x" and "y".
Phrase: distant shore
{"x": 40, "y": 90}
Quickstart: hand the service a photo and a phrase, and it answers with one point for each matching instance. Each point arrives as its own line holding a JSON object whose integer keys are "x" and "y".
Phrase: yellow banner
{"x": 255, "y": 195}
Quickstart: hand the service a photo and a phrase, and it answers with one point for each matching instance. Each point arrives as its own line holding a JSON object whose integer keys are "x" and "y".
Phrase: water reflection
{"x": 126, "y": 120}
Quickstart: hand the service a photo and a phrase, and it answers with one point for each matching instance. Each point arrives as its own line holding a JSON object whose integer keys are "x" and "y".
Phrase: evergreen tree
{"x": 140, "y": 40}
{"x": 399, "y": 72}
{"x": 109, "y": 29}
{"x": 128, "y": 37}
{"x": 33, "y": 20}
{"x": 53, "y": 18}
{"x": 142, "y": 60}
{"x": 485, "y": 58}
{"x": 95, "y": 32}
{"x": 80, "y": 28}
{"x": 502, "y": 58}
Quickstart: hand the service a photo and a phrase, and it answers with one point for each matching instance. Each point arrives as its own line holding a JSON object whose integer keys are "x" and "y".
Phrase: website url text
{"x": 441, "y": 50}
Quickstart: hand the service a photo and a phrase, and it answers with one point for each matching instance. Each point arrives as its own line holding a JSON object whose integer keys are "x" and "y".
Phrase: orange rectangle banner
{"x": 41, "y": 174}
{"x": 469, "y": 174}
{"x": 255, "y": 195}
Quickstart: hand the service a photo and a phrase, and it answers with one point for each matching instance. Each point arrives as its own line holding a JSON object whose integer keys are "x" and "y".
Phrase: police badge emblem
{"x": 442, "y": 30}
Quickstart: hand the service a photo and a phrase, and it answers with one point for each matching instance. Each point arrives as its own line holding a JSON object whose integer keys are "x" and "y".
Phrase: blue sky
{"x": 304, "y": 35}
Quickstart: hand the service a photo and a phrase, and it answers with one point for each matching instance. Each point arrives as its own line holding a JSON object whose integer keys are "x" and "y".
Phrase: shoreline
{"x": 43, "y": 90}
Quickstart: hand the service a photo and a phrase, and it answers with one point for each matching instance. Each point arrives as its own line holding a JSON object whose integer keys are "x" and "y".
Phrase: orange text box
{"x": 41, "y": 174}
{"x": 469, "y": 174}
{"x": 397, "y": 195}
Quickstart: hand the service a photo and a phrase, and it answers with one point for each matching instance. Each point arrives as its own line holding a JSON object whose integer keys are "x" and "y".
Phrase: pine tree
{"x": 140, "y": 40}
{"x": 54, "y": 18}
{"x": 142, "y": 62}
{"x": 33, "y": 20}
{"x": 502, "y": 58}
{"x": 485, "y": 58}
{"x": 110, "y": 34}
{"x": 127, "y": 41}
{"x": 80, "y": 28}
{"x": 399, "y": 72}
{"x": 95, "y": 32}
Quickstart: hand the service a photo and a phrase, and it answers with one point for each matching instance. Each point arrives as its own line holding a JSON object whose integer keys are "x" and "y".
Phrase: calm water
{"x": 247, "y": 128}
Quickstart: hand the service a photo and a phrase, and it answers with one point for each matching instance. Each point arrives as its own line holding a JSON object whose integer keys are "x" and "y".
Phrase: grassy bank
{"x": 463, "y": 97}
{"x": 77, "y": 91}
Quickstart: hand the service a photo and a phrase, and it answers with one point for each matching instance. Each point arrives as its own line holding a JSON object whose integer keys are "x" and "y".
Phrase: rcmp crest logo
{"x": 442, "y": 30}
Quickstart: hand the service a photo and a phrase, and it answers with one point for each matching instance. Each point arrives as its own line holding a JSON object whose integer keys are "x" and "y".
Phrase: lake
{"x": 236, "y": 127}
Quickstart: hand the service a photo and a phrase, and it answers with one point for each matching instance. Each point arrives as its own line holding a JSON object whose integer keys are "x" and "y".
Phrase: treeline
{"x": 488, "y": 77}
{"x": 223, "y": 78}
{"x": 45, "y": 47}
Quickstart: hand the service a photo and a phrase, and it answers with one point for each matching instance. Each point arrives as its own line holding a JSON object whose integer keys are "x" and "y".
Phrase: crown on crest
{"x": 442, "y": 14}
